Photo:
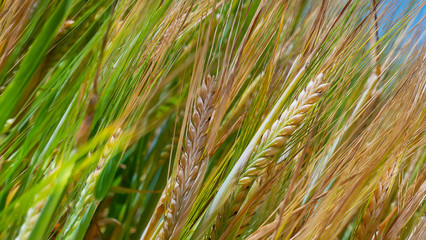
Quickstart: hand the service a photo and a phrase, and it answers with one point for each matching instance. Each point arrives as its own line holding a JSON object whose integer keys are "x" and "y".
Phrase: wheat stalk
{"x": 270, "y": 145}
{"x": 190, "y": 164}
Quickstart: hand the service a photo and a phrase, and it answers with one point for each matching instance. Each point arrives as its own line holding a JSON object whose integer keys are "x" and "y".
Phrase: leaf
{"x": 12, "y": 94}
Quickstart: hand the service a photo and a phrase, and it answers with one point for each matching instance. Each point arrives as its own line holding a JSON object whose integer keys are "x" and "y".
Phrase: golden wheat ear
{"x": 371, "y": 217}
{"x": 270, "y": 145}
{"x": 191, "y": 163}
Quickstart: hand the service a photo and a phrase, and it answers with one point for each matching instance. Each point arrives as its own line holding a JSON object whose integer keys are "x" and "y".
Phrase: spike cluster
{"x": 270, "y": 145}
{"x": 190, "y": 163}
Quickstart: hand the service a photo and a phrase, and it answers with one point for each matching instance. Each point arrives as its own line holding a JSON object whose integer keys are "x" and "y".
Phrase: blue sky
{"x": 401, "y": 7}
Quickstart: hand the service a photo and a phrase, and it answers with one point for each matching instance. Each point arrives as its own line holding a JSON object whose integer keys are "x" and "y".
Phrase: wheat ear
{"x": 270, "y": 145}
{"x": 405, "y": 208}
{"x": 265, "y": 182}
{"x": 30, "y": 220}
{"x": 189, "y": 169}
{"x": 86, "y": 195}
{"x": 161, "y": 205}
{"x": 371, "y": 217}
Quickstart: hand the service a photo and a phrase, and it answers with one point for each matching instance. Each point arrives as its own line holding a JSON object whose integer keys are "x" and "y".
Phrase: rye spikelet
{"x": 191, "y": 163}
{"x": 270, "y": 145}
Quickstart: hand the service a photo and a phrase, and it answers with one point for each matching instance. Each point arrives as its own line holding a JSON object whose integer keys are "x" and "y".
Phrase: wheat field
{"x": 213, "y": 120}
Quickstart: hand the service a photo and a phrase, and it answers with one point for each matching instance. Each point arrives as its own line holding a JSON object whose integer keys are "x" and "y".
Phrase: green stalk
{"x": 12, "y": 94}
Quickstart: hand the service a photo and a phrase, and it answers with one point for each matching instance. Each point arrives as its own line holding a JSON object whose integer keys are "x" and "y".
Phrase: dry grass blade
{"x": 410, "y": 202}
{"x": 267, "y": 229}
{"x": 420, "y": 230}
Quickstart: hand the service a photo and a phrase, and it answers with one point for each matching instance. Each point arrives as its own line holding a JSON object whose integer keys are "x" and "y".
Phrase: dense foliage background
{"x": 216, "y": 119}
